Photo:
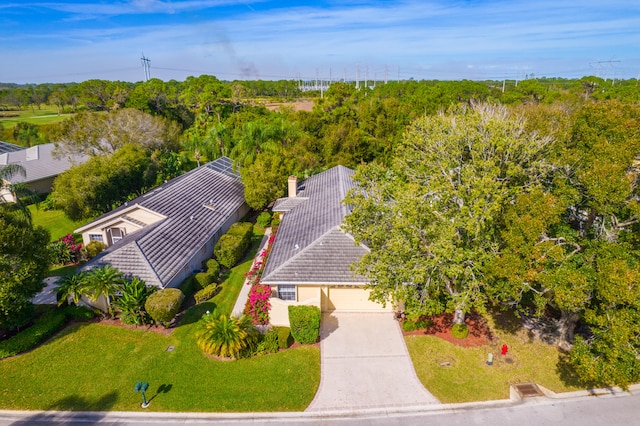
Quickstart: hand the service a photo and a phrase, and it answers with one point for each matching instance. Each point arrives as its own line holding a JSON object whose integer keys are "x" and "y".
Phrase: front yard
{"x": 460, "y": 374}
{"x": 92, "y": 366}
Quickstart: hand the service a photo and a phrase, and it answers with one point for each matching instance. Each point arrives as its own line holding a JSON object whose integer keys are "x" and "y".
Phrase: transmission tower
{"x": 145, "y": 64}
{"x": 599, "y": 66}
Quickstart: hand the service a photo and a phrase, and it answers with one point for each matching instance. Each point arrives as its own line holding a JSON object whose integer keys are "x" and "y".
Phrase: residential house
{"x": 165, "y": 235}
{"x": 311, "y": 258}
{"x": 40, "y": 165}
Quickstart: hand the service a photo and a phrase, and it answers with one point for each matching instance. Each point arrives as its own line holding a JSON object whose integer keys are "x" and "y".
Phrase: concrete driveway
{"x": 365, "y": 364}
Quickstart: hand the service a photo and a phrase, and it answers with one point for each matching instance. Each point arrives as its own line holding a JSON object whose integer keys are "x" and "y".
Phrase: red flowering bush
{"x": 259, "y": 304}
{"x": 65, "y": 251}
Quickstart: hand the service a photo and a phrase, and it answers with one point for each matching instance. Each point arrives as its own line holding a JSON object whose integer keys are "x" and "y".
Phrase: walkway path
{"x": 365, "y": 364}
{"x": 238, "y": 308}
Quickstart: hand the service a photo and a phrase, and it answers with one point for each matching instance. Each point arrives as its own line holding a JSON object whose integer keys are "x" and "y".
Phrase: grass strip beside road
{"x": 455, "y": 374}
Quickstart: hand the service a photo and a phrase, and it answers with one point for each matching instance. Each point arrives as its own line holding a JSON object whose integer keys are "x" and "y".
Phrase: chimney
{"x": 293, "y": 183}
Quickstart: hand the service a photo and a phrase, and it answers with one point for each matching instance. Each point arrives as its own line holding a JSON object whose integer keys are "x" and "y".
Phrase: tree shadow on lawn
{"x": 568, "y": 375}
{"x": 194, "y": 313}
{"x": 66, "y": 411}
{"x": 506, "y": 321}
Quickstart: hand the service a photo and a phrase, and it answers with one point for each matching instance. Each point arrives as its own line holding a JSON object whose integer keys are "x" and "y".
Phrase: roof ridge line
{"x": 146, "y": 260}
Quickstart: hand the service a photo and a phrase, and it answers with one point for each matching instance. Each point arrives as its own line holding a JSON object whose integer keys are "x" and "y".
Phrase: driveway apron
{"x": 365, "y": 364}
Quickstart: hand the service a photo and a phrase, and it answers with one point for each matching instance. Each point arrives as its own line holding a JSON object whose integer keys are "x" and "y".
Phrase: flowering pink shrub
{"x": 74, "y": 248}
{"x": 65, "y": 251}
{"x": 259, "y": 303}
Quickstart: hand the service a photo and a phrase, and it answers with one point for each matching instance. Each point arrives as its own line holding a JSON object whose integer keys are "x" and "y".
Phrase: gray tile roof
{"x": 159, "y": 251}
{"x": 309, "y": 245}
{"x": 9, "y": 147}
{"x": 39, "y": 163}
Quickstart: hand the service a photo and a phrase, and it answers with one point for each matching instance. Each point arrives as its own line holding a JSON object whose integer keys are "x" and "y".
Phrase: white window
{"x": 95, "y": 237}
{"x": 287, "y": 292}
{"x": 116, "y": 234}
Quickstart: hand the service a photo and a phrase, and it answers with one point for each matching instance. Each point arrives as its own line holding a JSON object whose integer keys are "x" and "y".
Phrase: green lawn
{"x": 95, "y": 366}
{"x": 45, "y": 115}
{"x": 469, "y": 378}
{"x": 54, "y": 221}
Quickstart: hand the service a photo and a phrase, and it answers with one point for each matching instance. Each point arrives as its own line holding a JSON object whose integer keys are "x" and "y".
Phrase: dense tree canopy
{"x": 431, "y": 218}
{"x": 23, "y": 263}
{"x": 104, "y": 182}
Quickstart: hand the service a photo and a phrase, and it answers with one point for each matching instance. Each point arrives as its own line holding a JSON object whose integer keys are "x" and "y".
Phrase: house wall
{"x": 42, "y": 186}
{"x": 100, "y": 229}
{"x": 144, "y": 216}
{"x": 328, "y": 298}
{"x": 279, "y": 312}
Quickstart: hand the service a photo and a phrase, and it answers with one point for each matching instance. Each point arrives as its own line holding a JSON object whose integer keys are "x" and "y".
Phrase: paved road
{"x": 365, "y": 364}
{"x": 580, "y": 411}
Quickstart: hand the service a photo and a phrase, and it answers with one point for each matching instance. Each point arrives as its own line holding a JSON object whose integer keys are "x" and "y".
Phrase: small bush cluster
{"x": 213, "y": 269}
{"x": 421, "y": 324}
{"x": 275, "y": 220}
{"x": 409, "y": 325}
{"x": 285, "y": 340}
{"x": 49, "y": 323}
{"x": 460, "y": 331}
{"x": 78, "y": 312}
{"x": 264, "y": 219}
{"x": 188, "y": 286}
{"x": 269, "y": 343}
{"x": 65, "y": 251}
{"x": 232, "y": 246}
{"x": 93, "y": 249}
{"x": 163, "y": 305}
{"x": 202, "y": 280}
{"x": 305, "y": 323}
{"x": 206, "y": 293}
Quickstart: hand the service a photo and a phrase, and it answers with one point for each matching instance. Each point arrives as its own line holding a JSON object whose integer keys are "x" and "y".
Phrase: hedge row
{"x": 206, "y": 293}
{"x": 232, "y": 246}
{"x": 45, "y": 326}
{"x": 305, "y": 323}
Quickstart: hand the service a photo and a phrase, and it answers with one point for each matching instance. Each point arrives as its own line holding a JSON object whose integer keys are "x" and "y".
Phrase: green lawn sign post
{"x": 142, "y": 387}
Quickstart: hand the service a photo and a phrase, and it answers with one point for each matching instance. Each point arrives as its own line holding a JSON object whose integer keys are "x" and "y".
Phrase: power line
{"x": 146, "y": 65}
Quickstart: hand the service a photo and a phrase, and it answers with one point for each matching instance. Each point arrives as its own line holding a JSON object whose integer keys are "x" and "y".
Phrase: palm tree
{"x": 74, "y": 286}
{"x": 255, "y": 137}
{"x": 104, "y": 281}
{"x": 18, "y": 190}
{"x": 131, "y": 303}
{"x": 226, "y": 336}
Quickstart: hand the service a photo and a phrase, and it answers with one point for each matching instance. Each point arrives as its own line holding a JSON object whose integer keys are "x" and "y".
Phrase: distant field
{"x": 45, "y": 115}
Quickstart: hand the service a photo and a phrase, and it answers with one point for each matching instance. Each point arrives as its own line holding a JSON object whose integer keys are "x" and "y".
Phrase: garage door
{"x": 351, "y": 299}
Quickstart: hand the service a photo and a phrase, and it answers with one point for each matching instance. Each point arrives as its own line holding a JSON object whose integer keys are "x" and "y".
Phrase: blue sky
{"x": 55, "y": 41}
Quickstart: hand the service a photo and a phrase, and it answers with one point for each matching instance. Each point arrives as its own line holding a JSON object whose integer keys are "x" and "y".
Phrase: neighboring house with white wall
{"x": 311, "y": 257}
{"x": 40, "y": 165}
{"x": 165, "y": 235}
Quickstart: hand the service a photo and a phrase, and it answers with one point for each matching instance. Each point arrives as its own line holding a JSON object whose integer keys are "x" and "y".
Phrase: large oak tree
{"x": 432, "y": 219}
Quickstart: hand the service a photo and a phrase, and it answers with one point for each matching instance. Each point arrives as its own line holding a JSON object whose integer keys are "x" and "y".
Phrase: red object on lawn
{"x": 505, "y": 348}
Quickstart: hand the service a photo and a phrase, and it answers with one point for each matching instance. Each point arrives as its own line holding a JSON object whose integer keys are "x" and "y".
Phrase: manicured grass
{"x": 95, "y": 366}
{"x": 54, "y": 221}
{"x": 45, "y": 115}
{"x": 469, "y": 378}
